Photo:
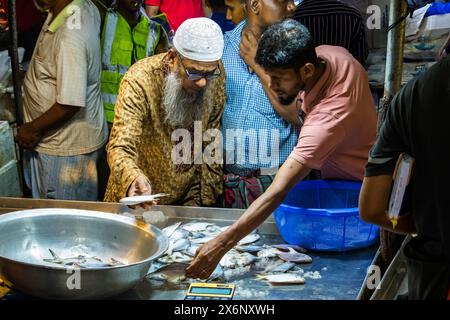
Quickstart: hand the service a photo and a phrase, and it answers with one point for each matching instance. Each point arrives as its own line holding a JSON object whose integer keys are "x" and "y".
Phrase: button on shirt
{"x": 340, "y": 123}
{"x": 65, "y": 68}
{"x": 264, "y": 139}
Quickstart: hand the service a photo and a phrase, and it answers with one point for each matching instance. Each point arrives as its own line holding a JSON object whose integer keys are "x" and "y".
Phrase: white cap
{"x": 199, "y": 39}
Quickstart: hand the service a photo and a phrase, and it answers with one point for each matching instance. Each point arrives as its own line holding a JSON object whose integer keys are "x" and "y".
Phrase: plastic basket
{"x": 323, "y": 215}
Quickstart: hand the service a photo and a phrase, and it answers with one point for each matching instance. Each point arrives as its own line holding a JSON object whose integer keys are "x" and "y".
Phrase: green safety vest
{"x": 121, "y": 46}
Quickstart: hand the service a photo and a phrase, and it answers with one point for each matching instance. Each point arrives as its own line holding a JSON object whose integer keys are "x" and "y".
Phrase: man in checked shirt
{"x": 257, "y": 140}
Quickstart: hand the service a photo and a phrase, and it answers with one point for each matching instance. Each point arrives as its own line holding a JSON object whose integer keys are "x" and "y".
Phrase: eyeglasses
{"x": 195, "y": 76}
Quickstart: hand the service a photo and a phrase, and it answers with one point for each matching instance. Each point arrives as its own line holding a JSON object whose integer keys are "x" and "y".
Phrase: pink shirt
{"x": 177, "y": 11}
{"x": 340, "y": 123}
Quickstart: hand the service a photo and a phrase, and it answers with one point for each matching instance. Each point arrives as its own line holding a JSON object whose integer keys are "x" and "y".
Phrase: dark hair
{"x": 286, "y": 45}
{"x": 221, "y": 3}
{"x": 217, "y": 3}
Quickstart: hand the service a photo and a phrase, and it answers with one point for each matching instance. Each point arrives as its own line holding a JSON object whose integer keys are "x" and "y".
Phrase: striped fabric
{"x": 240, "y": 192}
{"x": 62, "y": 178}
{"x": 334, "y": 23}
{"x": 263, "y": 139}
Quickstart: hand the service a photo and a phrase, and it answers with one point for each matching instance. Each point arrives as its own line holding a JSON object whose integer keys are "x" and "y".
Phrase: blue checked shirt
{"x": 255, "y": 136}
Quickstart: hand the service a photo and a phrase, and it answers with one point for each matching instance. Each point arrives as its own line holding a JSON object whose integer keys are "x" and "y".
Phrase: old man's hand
{"x": 139, "y": 187}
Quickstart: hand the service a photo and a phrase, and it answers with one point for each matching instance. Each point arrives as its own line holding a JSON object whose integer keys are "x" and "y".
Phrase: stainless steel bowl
{"x": 26, "y": 237}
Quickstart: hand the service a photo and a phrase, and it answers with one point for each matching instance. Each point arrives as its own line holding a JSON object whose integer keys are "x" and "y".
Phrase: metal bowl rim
{"x": 18, "y": 215}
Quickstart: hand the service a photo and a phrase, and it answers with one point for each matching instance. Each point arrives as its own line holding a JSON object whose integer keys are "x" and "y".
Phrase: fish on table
{"x": 279, "y": 260}
{"x": 282, "y": 279}
{"x": 82, "y": 261}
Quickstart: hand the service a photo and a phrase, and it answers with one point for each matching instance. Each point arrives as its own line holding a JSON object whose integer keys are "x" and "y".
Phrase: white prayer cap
{"x": 199, "y": 39}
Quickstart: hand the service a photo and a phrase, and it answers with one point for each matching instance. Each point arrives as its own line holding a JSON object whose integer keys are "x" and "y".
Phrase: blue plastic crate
{"x": 323, "y": 215}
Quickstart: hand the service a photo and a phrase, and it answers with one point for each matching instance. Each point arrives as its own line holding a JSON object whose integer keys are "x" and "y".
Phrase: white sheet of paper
{"x": 131, "y": 201}
{"x": 413, "y": 24}
{"x": 398, "y": 190}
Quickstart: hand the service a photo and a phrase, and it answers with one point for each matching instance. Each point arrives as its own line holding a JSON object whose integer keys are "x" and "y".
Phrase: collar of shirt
{"x": 235, "y": 35}
{"x": 68, "y": 11}
{"x": 312, "y": 97}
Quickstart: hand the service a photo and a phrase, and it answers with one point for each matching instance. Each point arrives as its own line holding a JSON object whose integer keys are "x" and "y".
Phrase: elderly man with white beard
{"x": 163, "y": 100}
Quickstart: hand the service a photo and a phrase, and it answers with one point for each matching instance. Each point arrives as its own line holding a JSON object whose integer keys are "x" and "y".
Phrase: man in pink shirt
{"x": 177, "y": 11}
{"x": 325, "y": 91}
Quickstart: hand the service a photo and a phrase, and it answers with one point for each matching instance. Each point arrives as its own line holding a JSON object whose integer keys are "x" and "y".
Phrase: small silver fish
{"x": 178, "y": 245}
{"x": 82, "y": 261}
{"x": 228, "y": 261}
{"x": 234, "y": 259}
{"x": 212, "y": 230}
{"x": 252, "y": 237}
{"x": 179, "y": 234}
{"x": 64, "y": 261}
{"x": 281, "y": 267}
{"x": 230, "y": 274}
{"x": 196, "y": 226}
{"x": 249, "y": 248}
{"x": 268, "y": 253}
{"x": 92, "y": 264}
{"x": 196, "y": 235}
{"x": 264, "y": 263}
{"x": 294, "y": 256}
{"x": 174, "y": 273}
{"x": 285, "y": 247}
{"x": 217, "y": 273}
{"x": 191, "y": 251}
{"x": 157, "y": 276}
{"x": 201, "y": 240}
{"x": 56, "y": 259}
{"x": 284, "y": 278}
{"x": 168, "y": 231}
{"x": 175, "y": 257}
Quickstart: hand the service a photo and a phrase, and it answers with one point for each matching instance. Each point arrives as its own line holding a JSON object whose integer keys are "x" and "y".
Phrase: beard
{"x": 288, "y": 100}
{"x": 182, "y": 108}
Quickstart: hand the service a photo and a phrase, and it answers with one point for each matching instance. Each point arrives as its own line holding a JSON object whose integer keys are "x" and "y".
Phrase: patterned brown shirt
{"x": 141, "y": 142}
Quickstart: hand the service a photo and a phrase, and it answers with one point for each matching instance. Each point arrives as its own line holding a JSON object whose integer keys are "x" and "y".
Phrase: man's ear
{"x": 254, "y": 6}
{"x": 307, "y": 71}
{"x": 290, "y": 9}
{"x": 172, "y": 60}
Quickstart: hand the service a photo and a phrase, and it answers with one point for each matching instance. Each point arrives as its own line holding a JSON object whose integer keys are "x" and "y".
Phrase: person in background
{"x": 128, "y": 36}
{"x": 177, "y": 11}
{"x": 219, "y": 14}
{"x": 236, "y": 10}
{"x": 338, "y": 126}
{"x": 334, "y": 23}
{"x": 163, "y": 99}
{"x": 416, "y": 123}
{"x": 250, "y": 164}
{"x": 64, "y": 127}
